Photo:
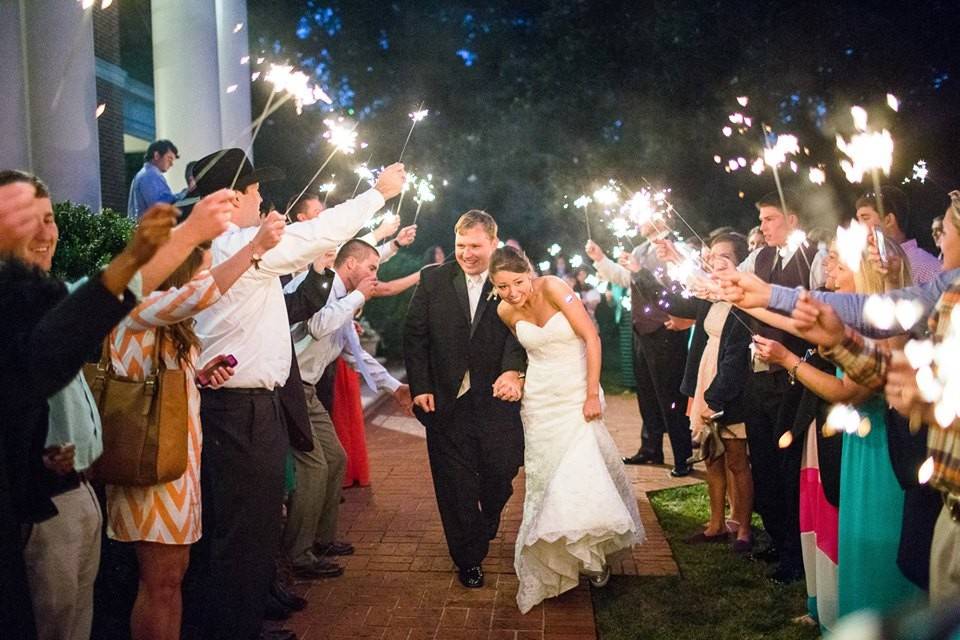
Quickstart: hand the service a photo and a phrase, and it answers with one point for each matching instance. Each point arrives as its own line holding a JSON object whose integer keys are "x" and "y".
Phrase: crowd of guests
{"x": 767, "y": 359}
{"x": 258, "y": 313}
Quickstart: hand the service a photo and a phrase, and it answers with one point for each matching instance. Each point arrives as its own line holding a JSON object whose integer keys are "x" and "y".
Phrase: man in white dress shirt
{"x": 308, "y": 537}
{"x": 245, "y": 440}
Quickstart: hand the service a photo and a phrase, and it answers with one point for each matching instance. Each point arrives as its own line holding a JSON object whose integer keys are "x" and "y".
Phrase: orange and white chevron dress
{"x": 167, "y": 513}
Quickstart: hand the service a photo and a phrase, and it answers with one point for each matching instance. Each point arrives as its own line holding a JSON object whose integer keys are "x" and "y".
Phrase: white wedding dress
{"x": 579, "y": 506}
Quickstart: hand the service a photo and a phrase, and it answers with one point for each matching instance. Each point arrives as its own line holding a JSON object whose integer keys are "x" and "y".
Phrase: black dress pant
{"x": 242, "y": 481}
{"x": 474, "y": 460}
{"x": 658, "y": 364}
{"x": 771, "y": 406}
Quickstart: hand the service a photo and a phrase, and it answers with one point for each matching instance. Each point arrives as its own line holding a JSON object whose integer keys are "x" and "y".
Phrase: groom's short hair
{"x": 477, "y": 218}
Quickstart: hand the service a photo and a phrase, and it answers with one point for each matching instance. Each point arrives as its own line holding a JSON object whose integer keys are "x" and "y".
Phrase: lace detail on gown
{"x": 579, "y": 507}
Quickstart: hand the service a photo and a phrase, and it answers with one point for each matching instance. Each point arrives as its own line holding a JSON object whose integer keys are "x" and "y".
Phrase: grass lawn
{"x": 716, "y": 596}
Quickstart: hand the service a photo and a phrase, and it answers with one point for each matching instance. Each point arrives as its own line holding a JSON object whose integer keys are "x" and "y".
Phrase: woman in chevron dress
{"x": 163, "y": 520}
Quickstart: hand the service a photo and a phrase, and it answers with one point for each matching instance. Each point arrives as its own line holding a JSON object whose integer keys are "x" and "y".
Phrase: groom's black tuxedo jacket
{"x": 440, "y": 344}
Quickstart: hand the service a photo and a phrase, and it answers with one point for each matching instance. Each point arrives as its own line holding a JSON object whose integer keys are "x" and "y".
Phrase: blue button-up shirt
{"x": 148, "y": 188}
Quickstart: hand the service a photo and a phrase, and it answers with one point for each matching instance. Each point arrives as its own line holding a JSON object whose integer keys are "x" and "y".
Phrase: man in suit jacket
{"x": 458, "y": 352}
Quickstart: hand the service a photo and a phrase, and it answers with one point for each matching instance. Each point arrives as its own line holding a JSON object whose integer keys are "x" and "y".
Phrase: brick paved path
{"x": 400, "y": 584}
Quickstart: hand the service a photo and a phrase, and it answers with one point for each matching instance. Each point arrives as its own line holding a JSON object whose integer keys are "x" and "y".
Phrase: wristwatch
{"x": 255, "y": 258}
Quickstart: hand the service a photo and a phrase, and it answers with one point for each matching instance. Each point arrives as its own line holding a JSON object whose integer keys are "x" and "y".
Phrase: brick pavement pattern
{"x": 400, "y": 584}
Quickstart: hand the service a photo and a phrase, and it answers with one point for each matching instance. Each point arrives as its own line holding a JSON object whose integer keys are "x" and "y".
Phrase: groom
{"x": 459, "y": 354}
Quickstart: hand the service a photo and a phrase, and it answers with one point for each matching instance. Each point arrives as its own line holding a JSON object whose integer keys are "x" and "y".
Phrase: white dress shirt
{"x": 474, "y": 289}
{"x": 250, "y": 321}
{"x": 325, "y": 336}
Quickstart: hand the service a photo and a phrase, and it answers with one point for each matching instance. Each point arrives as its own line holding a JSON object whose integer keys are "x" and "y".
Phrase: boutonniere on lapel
{"x": 492, "y": 295}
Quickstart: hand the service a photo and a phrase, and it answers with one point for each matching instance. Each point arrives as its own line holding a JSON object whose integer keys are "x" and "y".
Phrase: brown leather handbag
{"x": 145, "y": 422}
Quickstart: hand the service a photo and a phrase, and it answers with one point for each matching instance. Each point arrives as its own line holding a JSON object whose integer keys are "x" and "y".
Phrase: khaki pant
{"x": 945, "y": 560}
{"x": 315, "y": 503}
{"x": 62, "y": 556}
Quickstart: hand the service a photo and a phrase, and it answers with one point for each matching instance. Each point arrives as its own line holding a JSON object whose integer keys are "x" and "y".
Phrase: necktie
{"x": 777, "y": 268}
{"x": 353, "y": 346}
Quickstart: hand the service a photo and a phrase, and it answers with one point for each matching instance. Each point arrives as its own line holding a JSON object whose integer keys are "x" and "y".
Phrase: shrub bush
{"x": 88, "y": 240}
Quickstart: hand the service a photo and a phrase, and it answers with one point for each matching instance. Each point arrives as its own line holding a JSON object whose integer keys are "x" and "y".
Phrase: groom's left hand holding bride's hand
{"x": 508, "y": 387}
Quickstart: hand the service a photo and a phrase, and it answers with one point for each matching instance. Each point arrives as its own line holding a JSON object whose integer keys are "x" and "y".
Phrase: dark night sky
{"x": 532, "y": 101}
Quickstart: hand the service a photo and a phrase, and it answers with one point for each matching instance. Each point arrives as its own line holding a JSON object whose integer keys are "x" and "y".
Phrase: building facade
{"x": 76, "y": 116}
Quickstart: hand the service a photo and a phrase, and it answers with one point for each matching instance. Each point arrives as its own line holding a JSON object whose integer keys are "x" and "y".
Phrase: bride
{"x": 579, "y": 507}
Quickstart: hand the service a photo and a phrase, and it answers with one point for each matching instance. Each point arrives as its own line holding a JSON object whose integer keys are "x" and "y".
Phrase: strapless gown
{"x": 579, "y": 507}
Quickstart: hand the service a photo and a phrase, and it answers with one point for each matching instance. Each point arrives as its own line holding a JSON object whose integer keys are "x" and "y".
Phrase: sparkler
{"x": 582, "y": 203}
{"x": 416, "y": 117}
{"x": 867, "y": 152}
{"x": 851, "y": 243}
{"x": 343, "y": 139}
{"x": 817, "y": 175}
{"x": 424, "y": 193}
{"x": 554, "y": 250}
{"x": 364, "y": 173}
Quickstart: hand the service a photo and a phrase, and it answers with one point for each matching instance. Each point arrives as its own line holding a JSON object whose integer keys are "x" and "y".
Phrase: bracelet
{"x": 792, "y": 373}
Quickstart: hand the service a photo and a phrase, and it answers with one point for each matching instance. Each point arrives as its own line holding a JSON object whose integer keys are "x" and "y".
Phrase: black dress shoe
{"x": 277, "y": 634}
{"x": 276, "y": 610}
{"x": 319, "y": 569}
{"x": 471, "y": 578}
{"x": 335, "y": 548}
{"x": 681, "y": 471}
{"x": 287, "y": 598}
{"x": 770, "y": 555}
{"x": 644, "y": 457}
{"x": 786, "y": 574}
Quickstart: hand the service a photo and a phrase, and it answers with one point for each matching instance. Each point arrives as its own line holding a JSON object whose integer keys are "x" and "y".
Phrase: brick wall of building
{"x": 113, "y": 179}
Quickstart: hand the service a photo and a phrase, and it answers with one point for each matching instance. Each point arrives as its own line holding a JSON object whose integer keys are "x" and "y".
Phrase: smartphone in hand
{"x": 221, "y": 361}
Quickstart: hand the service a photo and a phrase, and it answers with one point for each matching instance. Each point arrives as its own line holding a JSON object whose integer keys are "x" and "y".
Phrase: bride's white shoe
{"x": 600, "y": 580}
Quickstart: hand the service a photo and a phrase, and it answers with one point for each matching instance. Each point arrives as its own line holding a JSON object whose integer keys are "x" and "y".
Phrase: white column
{"x": 233, "y": 36}
{"x": 15, "y": 138}
{"x": 186, "y": 79}
{"x": 62, "y": 98}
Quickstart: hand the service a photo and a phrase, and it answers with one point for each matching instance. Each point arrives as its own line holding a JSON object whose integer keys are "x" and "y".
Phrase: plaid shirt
{"x": 866, "y": 362}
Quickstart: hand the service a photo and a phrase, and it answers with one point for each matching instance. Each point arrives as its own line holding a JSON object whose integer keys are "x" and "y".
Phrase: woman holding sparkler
{"x": 579, "y": 507}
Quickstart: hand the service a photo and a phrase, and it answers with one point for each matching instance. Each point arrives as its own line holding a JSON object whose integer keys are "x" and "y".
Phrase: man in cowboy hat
{"x": 245, "y": 441}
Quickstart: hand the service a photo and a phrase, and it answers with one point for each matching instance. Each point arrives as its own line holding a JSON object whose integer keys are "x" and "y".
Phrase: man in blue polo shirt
{"x": 149, "y": 186}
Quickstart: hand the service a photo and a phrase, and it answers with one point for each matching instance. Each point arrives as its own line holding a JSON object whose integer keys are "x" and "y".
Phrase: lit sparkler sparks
{"x": 893, "y": 102}
{"x": 415, "y": 117}
{"x": 342, "y": 138}
{"x": 851, "y": 243}
{"x": 576, "y": 261}
{"x": 296, "y": 84}
{"x": 743, "y": 101}
{"x": 868, "y": 151}
{"x": 845, "y": 419}
{"x": 544, "y": 266}
{"x": 795, "y": 241}
{"x": 554, "y": 250}
{"x": 919, "y": 172}
{"x": 424, "y": 193}
{"x": 777, "y": 154}
{"x": 607, "y": 195}
{"x": 817, "y": 175}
